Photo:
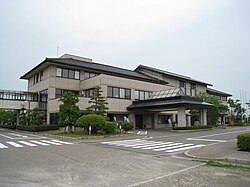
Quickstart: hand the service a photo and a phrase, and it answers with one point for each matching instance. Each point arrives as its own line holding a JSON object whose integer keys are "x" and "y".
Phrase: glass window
{"x": 122, "y": 93}
{"x": 142, "y": 96}
{"x": 77, "y": 75}
{"x": 146, "y": 95}
{"x": 86, "y": 75}
{"x": 71, "y": 74}
{"x": 41, "y": 75}
{"x": 128, "y": 94}
{"x": 116, "y": 92}
{"x": 91, "y": 75}
{"x": 137, "y": 94}
{"x": 65, "y": 73}
{"x": 110, "y": 91}
{"x": 59, "y": 72}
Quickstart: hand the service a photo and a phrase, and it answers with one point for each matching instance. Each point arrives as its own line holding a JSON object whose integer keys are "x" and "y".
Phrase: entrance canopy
{"x": 167, "y": 103}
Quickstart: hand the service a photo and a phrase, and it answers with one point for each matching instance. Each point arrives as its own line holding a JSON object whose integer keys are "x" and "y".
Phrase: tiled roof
{"x": 217, "y": 92}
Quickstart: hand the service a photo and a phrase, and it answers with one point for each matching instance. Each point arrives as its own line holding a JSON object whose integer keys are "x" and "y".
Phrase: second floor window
{"x": 142, "y": 95}
{"x": 192, "y": 89}
{"x": 88, "y": 75}
{"x": 122, "y": 93}
{"x": 182, "y": 85}
{"x": 67, "y": 73}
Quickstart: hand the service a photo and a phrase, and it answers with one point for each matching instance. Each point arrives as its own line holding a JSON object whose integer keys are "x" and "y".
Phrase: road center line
{"x": 220, "y": 134}
{"x": 206, "y": 140}
{"x": 157, "y": 178}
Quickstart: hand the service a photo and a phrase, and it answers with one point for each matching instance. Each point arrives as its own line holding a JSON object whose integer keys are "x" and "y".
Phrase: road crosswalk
{"x": 32, "y": 143}
{"x": 168, "y": 147}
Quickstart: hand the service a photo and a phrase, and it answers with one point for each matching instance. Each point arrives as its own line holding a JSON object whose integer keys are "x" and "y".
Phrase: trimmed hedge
{"x": 243, "y": 142}
{"x": 35, "y": 128}
{"x": 8, "y": 126}
{"x": 191, "y": 127}
{"x": 95, "y": 121}
{"x": 109, "y": 127}
{"x": 127, "y": 126}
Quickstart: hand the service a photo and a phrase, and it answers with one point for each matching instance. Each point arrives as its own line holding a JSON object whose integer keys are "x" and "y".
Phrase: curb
{"x": 225, "y": 159}
{"x": 197, "y": 130}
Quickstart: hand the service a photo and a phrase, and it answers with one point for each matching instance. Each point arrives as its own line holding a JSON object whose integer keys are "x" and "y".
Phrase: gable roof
{"x": 92, "y": 67}
{"x": 170, "y": 74}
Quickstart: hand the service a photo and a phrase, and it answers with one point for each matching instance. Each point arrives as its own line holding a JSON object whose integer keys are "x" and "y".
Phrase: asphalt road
{"x": 96, "y": 164}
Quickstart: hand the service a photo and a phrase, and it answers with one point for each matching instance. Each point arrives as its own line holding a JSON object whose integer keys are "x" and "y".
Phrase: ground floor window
{"x": 54, "y": 118}
{"x": 164, "y": 119}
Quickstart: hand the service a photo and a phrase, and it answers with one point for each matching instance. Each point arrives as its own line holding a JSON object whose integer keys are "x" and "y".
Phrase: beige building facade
{"x": 126, "y": 91}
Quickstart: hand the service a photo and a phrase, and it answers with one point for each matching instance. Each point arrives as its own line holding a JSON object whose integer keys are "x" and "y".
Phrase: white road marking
{"x": 27, "y": 143}
{"x": 152, "y": 144}
{"x": 14, "y": 144}
{"x": 138, "y": 132}
{"x": 172, "y": 146}
{"x": 2, "y": 146}
{"x": 120, "y": 141}
{"x": 206, "y": 140}
{"x": 50, "y": 142}
{"x": 58, "y": 141}
{"x": 184, "y": 148}
{"x": 168, "y": 147}
{"x": 221, "y": 134}
{"x": 161, "y": 146}
{"x": 6, "y": 136}
{"x": 161, "y": 177}
{"x": 39, "y": 143}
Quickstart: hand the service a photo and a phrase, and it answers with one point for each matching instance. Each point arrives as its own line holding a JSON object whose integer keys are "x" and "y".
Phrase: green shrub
{"x": 36, "y": 128}
{"x": 243, "y": 142}
{"x": 109, "y": 127}
{"x": 238, "y": 124}
{"x": 95, "y": 121}
{"x": 191, "y": 127}
{"x": 8, "y": 126}
{"x": 127, "y": 126}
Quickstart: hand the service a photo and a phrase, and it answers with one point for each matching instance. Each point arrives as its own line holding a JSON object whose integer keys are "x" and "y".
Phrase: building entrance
{"x": 138, "y": 121}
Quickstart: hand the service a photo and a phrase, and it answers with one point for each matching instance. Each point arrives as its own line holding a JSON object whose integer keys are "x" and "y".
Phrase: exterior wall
{"x": 174, "y": 81}
{"x": 17, "y": 105}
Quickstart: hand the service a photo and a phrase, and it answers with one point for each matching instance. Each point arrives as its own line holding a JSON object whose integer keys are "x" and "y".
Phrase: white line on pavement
{"x": 184, "y": 148}
{"x": 173, "y": 147}
{"x": 54, "y": 143}
{"x": 27, "y": 143}
{"x": 58, "y": 141}
{"x": 206, "y": 140}
{"x": 161, "y": 177}
{"x": 2, "y": 146}
{"x": 14, "y": 144}
{"x": 37, "y": 142}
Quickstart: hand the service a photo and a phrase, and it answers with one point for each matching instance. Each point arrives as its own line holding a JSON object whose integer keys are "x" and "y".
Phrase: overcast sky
{"x": 208, "y": 40}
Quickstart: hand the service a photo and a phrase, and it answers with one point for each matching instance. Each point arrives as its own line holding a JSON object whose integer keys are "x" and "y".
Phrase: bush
{"x": 109, "y": 127}
{"x": 35, "y": 128}
{"x": 95, "y": 121}
{"x": 8, "y": 126}
{"x": 191, "y": 127}
{"x": 243, "y": 142}
{"x": 127, "y": 126}
{"x": 238, "y": 124}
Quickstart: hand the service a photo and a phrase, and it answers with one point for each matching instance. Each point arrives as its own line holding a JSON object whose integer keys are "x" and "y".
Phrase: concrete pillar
{"x": 155, "y": 120}
{"x": 17, "y": 117}
{"x": 48, "y": 118}
{"x": 131, "y": 118}
{"x": 203, "y": 117}
{"x": 188, "y": 120}
{"x": 182, "y": 117}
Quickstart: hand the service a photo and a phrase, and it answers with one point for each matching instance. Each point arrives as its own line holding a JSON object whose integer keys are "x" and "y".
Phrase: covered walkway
{"x": 175, "y": 103}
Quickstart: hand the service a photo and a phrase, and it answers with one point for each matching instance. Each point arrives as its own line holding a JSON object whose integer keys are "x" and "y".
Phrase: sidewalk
{"x": 226, "y": 152}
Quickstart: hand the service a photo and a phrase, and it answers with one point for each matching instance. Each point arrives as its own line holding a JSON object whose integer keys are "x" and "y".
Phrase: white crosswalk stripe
{"x": 2, "y": 146}
{"x": 14, "y": 144}
{"x": 32, "y": 143}
{"x": 168, "y": 147}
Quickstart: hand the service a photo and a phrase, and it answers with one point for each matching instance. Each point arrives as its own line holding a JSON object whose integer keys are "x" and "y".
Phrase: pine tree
{"x": 69, "y": 112}
{"x": 98, "y": 103}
